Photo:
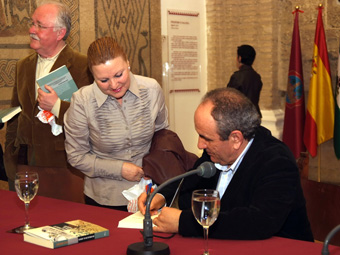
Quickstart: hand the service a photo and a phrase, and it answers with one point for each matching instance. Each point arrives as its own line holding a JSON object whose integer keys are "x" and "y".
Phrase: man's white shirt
{"x": 229, "y": 171}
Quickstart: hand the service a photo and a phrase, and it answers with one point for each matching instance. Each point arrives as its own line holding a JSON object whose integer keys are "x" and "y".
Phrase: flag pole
{"x": 319, "y": 147}
{"x": 319, "y": 163}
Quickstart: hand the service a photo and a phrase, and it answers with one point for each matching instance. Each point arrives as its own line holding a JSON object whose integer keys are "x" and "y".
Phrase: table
{"x": 46, "y": 211}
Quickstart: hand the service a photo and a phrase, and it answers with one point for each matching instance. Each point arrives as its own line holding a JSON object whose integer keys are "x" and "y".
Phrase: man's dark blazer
{"x": 248, "y": 81}
{"x": 25, "y": 130}
{"x": 263, "y": 199}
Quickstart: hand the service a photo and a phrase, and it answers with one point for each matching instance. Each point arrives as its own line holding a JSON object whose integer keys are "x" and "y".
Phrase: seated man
{"x": 258, "y": 179}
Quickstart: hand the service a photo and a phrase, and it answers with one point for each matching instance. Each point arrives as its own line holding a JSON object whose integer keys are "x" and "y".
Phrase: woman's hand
{"x": 131, "y": 172}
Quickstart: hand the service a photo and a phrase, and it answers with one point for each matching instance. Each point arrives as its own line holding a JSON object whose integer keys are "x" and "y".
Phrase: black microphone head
{"x": 207, "y": 169}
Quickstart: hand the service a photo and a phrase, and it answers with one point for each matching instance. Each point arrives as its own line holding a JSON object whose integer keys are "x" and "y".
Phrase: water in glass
{"x": 205, "y": 207}
{"x": 26, "y": 186}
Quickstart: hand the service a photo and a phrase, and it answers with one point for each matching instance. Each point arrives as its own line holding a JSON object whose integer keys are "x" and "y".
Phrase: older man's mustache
{"x": 34, "y": 36}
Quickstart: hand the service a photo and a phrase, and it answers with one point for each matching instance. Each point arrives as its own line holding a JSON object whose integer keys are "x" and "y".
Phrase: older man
{"x": 28, "y": 140}
{"x": 258, "y": 179}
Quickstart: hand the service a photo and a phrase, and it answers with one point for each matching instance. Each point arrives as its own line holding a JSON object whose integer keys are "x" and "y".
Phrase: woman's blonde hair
{"x": 102, "y": 50}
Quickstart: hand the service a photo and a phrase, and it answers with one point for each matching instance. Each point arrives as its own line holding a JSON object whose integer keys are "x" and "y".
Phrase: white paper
{"x": 134, "y": 221}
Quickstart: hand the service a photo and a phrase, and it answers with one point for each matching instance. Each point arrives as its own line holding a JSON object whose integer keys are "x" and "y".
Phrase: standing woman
{"x": 110, "y": 124}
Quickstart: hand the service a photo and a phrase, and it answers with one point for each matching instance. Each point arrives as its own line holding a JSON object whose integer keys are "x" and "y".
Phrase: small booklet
{"x": 61, "y": 81}
{"x": 134, "y": 221}
{"x": 9, "y": 113}
{"x": 64, "y": 234}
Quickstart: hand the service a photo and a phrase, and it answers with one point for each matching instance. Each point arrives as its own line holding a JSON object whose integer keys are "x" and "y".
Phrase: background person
{"x": 246, "y": 79}
{"x": 110, "y": 124}
{"x": 28, "y": 140}
{"x": 258, "y": 181}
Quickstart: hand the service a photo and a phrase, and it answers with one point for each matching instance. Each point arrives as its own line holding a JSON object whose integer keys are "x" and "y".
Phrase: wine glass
{"x": 26, "y": 184}
{"x": 205, "y": 205}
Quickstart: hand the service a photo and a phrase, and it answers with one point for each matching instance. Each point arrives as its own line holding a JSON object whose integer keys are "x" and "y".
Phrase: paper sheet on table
{"x": 134, "y": 221}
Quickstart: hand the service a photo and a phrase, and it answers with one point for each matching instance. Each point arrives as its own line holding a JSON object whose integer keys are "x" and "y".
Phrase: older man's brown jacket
{"x": 25, "y": 132}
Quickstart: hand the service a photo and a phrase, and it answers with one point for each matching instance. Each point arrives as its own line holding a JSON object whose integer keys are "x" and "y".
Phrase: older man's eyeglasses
{"x": 39, "y": 26}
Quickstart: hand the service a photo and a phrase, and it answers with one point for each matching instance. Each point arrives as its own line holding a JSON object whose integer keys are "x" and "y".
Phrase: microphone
{"x": 148, "y": 247}
{"x": 328, "y": 238}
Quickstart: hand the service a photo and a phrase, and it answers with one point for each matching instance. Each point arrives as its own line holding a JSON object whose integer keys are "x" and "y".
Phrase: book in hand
{"x": 134, "y": 221}
{"x": 63, "y": 234}
{"x": 9, "y": 113}
{"x": 61, "y": 81}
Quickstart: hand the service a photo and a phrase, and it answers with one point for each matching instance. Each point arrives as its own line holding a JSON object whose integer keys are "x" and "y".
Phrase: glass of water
{"x": 26, "y": 185}
{"x": 205, "y": 205}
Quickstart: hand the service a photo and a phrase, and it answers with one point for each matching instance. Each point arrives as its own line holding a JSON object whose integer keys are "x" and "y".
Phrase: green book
{"x": 64, "y": 234}
{"x": 61, "y": 81}
{"x": 9, "y": 113}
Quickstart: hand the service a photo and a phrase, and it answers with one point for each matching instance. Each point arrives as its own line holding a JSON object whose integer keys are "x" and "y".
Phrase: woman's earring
{"x": 129, "y": 68}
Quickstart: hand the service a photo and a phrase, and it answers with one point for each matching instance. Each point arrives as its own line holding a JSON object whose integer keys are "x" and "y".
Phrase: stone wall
{"x": 268, "y": 26}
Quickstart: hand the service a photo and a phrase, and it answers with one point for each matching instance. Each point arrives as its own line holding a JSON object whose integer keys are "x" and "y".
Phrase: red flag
{"x": 295, "y": 99}
{"x": 319, "y": 124}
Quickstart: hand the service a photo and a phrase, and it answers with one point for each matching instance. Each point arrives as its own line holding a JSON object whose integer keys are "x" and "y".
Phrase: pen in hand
{"x": 149, "y": 190}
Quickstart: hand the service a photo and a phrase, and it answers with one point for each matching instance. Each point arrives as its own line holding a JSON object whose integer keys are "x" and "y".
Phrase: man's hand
{"x": 157, "y": 202}
{"x": 131, "y": 172}
{"x": 167, "y": 221}
{"x": 47, "y": 100}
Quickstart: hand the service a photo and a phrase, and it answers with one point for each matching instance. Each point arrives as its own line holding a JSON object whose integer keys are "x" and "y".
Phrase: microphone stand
{"x": 148, "y": 247}
{"x": 328, "y": 238}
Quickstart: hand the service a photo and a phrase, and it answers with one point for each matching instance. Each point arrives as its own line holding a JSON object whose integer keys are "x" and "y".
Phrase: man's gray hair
{"x": 63, "y": 19}
{"x": 232, "y": 110}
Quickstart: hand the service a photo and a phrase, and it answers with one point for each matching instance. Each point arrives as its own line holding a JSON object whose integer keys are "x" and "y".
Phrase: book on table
{"x": 9, "y": 113}
{"x": 61, "y": 81}
{"x": 64, "y": 234}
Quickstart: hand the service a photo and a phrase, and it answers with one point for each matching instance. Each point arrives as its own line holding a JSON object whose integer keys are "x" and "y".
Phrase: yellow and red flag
{"x": 295, "y": 100}
{"x": 319, "y": 123}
